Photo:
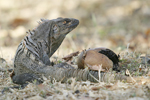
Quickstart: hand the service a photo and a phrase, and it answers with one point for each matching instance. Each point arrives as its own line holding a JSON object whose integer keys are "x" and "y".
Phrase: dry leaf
{"x": 95, "y": 88}
{"x": 18, "y": 21}
{"x": 69, "y": 57}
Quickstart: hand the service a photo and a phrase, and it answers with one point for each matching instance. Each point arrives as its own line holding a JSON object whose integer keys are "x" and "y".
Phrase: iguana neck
{"x": 46, "y": 45}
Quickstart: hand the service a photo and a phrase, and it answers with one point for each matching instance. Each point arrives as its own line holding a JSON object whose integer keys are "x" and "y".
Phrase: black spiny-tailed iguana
{"x": 33, "y": 53}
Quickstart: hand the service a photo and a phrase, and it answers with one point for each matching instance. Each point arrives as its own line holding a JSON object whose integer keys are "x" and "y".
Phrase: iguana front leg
{"x": 45, "y": 59}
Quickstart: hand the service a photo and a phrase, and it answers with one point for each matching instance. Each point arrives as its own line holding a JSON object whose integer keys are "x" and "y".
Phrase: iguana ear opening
{"x": 55, "y": 29}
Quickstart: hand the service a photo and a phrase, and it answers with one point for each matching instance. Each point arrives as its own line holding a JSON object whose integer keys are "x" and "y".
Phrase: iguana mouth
{"x": 74, "y": 23}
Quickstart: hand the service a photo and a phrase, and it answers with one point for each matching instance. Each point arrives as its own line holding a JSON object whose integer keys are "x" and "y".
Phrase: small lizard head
{"x": 62, "y": 26}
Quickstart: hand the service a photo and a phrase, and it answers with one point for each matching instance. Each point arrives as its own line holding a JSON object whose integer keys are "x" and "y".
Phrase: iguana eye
{"x": 64, "y": 22}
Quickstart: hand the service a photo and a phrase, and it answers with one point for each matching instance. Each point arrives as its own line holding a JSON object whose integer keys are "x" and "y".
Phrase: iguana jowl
{"x": 33, "y": 53}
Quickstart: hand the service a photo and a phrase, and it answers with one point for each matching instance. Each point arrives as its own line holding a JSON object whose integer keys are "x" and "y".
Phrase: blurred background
{"x": 114, "y": 24}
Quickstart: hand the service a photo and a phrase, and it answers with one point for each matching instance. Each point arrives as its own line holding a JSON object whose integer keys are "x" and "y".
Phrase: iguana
{"x": 33, "y": 53}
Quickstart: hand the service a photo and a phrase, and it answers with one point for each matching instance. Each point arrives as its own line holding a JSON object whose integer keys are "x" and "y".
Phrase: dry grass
{"x": 111, "y": 90}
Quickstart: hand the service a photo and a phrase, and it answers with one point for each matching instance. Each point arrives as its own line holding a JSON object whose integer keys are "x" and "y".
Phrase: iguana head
{"x": 62, "y": 26}
{"x": 51, "y": 33}
{"x": 55, "y": 28}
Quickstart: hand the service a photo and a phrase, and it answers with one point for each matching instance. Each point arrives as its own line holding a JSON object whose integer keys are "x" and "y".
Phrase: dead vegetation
{"x": 136, "y": 86}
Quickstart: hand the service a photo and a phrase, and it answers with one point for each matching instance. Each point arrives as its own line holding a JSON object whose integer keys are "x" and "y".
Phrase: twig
{"x": 128, "y": 73}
